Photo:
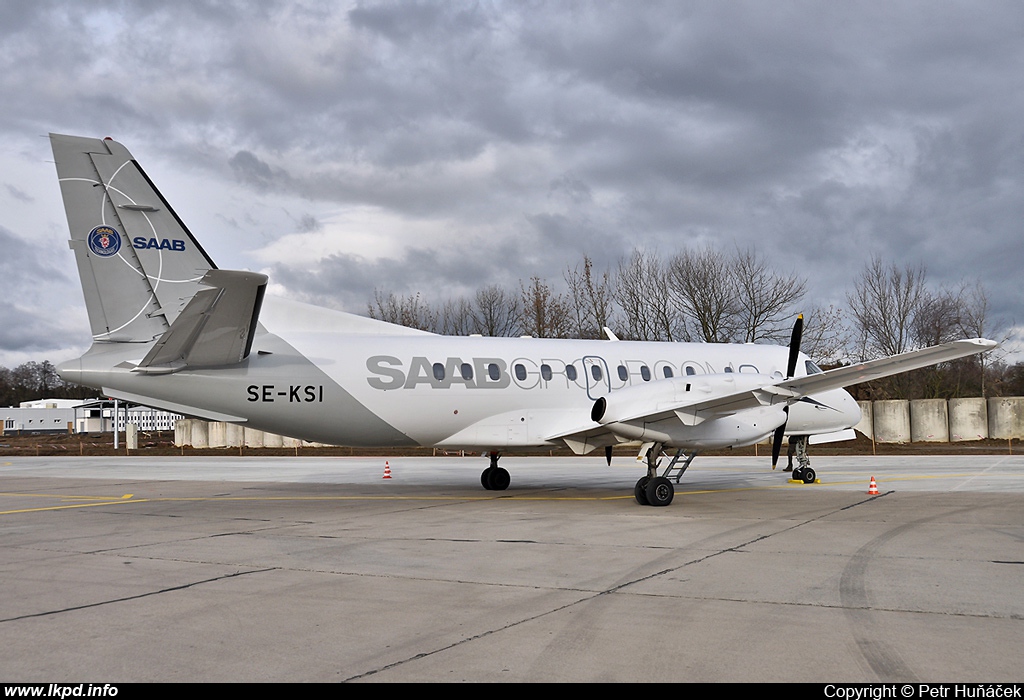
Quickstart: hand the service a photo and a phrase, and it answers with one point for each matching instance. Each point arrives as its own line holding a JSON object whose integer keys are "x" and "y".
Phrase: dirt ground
{"x": 162, "y": 444}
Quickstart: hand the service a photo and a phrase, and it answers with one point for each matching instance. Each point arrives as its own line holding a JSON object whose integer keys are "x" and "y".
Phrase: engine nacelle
{"x": 648, "y": 413}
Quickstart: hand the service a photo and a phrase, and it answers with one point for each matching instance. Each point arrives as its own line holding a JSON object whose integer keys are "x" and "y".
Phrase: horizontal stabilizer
{"x": 215, "y": 328}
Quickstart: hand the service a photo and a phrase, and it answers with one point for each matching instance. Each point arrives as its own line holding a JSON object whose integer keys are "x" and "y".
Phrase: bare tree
{"x": 410, "y": 311}
{"x": 704, "y": 288}
{"x": 545, "y": 313}
{"x": 765, "y": 297}
{"x": 937, "y": 319}
{"x": 641, "y": 290}
{"x": 496, "y": 312}
{"x": 825, "y": 338}
{"x": 975, "y": 321}
{"x": 591, "y": 299}
{"x": 884, "y": 303}
{"x": 456, "y": 318}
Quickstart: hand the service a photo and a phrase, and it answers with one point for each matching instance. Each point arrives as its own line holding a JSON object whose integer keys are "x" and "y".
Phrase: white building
{"x": 78, "y": 416}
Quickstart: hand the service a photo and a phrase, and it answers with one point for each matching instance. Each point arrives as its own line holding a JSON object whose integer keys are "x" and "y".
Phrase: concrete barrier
{"x": 892, "y": 420}
{"x": 866, "y": 425}
{"x": 272, "y": 440}
{"x": 217, "y": 434}
{"x": 253, "y": 437}
{"x": 1006, "y": 417}
{"x": 929, "y": 420}
{"x": 234, "y": 435}
{"x": 182, "y": 432}
{"x": 968, "y": 420}
{"x": 200, "y": 433}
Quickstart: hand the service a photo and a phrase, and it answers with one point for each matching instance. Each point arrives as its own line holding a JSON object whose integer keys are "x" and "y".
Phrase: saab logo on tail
{"x": 104, "y": 241}
{"x": 140, "y": 242}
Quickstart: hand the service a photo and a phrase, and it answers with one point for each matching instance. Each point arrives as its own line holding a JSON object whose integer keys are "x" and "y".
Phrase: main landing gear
{"x": 494, "y": 478}
{"x": 654, "y": 490}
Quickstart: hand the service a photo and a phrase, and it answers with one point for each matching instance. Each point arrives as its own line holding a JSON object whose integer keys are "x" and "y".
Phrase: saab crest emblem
{"x": 104, "y": 241}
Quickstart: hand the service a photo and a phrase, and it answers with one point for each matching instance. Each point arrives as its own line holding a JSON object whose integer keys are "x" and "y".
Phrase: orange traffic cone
{"x": 872, "y": 488}
{"x": 387, "y": 470}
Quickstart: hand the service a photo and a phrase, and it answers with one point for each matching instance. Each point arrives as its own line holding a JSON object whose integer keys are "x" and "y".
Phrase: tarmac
{"x": 119, "y": 569}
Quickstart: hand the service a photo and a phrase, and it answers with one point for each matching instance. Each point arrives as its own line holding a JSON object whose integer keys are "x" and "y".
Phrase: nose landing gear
{"x": 494, "y": 478}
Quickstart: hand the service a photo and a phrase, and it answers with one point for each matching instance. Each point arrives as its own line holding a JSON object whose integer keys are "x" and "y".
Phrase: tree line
{"x": 714, "y": 296}
{"x": 32, "y": 381}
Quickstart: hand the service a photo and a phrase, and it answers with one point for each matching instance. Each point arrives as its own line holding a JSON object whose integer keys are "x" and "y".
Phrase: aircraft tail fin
{"x": 139, "y": 265}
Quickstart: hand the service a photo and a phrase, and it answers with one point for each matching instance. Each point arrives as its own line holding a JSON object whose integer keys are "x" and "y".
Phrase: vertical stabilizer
{"x": 138, "y": 263}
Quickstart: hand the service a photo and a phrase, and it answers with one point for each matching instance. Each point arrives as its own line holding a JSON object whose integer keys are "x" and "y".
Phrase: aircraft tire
{"x": 808, "y": 475}
{"x": 659, "y": 491}
{"x": 499, "y": 479}
{"x": 797, "y": 474}
{"x": 640, "y": 491}
{"x": 485, "y": 478}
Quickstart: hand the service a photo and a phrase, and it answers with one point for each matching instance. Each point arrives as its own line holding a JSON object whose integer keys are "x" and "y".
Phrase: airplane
{"x": 172, "y": 330}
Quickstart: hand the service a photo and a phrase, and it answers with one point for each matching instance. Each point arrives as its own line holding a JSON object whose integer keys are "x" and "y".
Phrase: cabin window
{"x": 493, "y": 372}
{"x": 645, "y": 373}
{"x": 570, "y": 372}
{"x": 690, "y": 371}
{"x": 728, "y": 369}
{"x": 545, "y": 372}
{"x": 623, "y": 373}
{"x": 467, "y": 371}
{"x": 439, "y": 371}
{"x": 595, "y": 372}
{"x": 667, "y": 371}
{"x": 520, "y": 372}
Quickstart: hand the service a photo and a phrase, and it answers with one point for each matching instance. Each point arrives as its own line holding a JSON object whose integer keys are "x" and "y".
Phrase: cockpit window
{"x": 812, "y": 368}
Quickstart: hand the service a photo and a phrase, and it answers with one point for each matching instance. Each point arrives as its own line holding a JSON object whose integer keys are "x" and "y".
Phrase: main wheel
{"x": 485, "y": 478}
{"x": 659, "y": 491}
{"x": 499, "y": 479}
{"x": 640, "y": 490}
{"x": 808, "y": 475}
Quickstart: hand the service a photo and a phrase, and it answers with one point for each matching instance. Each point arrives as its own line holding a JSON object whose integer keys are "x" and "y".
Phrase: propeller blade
{"x": 608, "y": 454}
{"x": 794, "y": 346}
{"x": 780, "y": 432}
{"x": 791, "y": 369}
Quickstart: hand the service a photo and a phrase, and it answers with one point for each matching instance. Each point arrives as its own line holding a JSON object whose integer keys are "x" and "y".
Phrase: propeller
{"x": 794, "y": 351}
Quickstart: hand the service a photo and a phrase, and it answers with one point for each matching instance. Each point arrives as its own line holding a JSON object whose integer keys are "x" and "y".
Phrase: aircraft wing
{"x": 886, "y": 366}
{"x": 646, "y": 406}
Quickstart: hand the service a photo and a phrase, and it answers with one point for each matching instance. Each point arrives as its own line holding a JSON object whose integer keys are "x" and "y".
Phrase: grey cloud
{"x": 563, "y": 129}
{"x": 19, "y": 194}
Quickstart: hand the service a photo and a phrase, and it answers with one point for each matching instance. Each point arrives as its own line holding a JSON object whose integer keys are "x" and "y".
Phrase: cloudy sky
{"x": 442, "y": 146}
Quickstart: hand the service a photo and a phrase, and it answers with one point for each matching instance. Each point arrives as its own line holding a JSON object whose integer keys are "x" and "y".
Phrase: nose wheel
{"x": 806, "y": 475}
{"x": 494, "y": 478}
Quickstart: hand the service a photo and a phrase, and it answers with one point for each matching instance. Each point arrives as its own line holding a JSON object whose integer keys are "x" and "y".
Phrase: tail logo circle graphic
{"x": 104, "y": 241}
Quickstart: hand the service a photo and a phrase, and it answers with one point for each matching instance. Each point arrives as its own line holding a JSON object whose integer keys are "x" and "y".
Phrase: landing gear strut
{"x": 653, "y": 490}
{"x": 494, "y": 478}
